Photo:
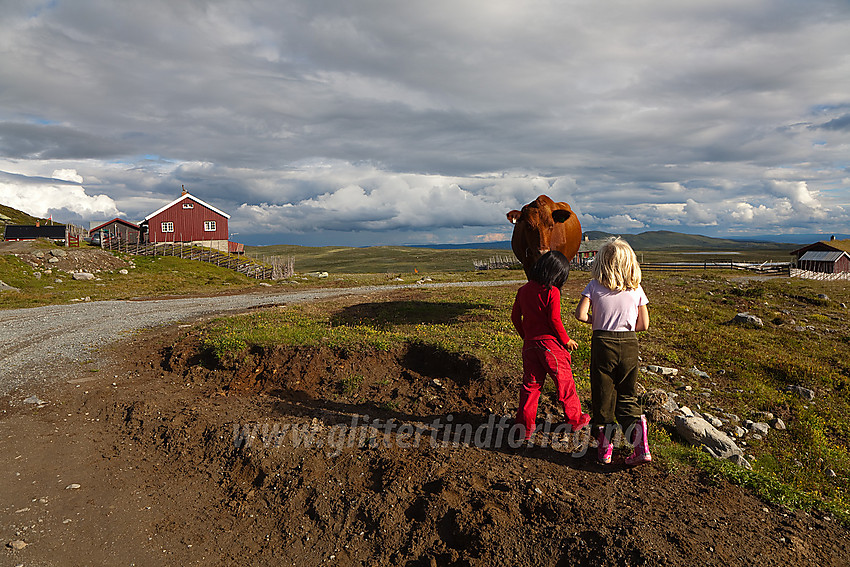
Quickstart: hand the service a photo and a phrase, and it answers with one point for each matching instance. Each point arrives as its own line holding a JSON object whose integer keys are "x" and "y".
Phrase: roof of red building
{"x": 122, "y": 221}
{"x": 186, "y": 196}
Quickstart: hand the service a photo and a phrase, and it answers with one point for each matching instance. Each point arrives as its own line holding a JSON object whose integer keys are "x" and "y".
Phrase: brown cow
{"x": 541, "y": 226}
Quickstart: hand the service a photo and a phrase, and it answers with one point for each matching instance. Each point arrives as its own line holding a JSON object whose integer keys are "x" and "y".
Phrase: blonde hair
{"x": 616, "y": 265}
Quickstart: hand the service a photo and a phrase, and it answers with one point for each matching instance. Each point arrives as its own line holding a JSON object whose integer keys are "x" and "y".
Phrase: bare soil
{"x": 139, "y": 459}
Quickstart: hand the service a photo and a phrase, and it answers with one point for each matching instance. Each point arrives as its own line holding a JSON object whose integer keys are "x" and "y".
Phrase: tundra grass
{"x": 804, "y": 342}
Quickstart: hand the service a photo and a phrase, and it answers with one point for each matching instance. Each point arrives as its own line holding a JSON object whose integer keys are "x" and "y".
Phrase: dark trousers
{"x": 613, "y": 378}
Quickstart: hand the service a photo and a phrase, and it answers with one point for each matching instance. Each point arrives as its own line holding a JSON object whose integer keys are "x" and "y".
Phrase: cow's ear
{"x": 560, "y": 215}
{"x": 513, "y": 216}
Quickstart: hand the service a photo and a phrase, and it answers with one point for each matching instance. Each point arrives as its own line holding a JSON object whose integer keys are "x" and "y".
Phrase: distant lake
{"x": 711, "y": 253}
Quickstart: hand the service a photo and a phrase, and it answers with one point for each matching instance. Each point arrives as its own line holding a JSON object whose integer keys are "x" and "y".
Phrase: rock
{"x": 34, "y": 400}
{"x": 73, "y": 486}
{"x": 57, "y": 253}
{"x": 82, "y": 276}
{"x": 663, "y": 370}
{"x": 686, "y": 411}
{"x": 699, "y": 373}
{"x": 739, "y": 432}
{"x": 39, "y": 254}
{"x": 777, "y": 424}
{"x": 747, "y": 320}
{"x": 712, "y": 420}
{"x": 125, "y": 272}
{"x": 53, "y": 260}
{"x": 831, "y": 473}
{"x": 7, "y": 287}
{"x": 698, "y": 431}
{"x": 823, "y": 297}
{"x": 17, "y": 544}
{"x": 804, "y": 393}
{"x": 740, "y": 461}
{"x": 760, "y": 428}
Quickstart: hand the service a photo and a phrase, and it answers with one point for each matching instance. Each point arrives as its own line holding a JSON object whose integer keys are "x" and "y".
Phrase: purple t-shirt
{"x": 614, "y": 310}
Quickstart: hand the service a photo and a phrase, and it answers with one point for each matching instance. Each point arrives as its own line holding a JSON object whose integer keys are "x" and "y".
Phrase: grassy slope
{"x": 152, "y": 277}
{"x": 18, "y": 217}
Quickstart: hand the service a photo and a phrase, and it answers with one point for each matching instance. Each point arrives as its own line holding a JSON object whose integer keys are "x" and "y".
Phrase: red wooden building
{"x": 188, "y": 220}
{"x": 830, "y": 257}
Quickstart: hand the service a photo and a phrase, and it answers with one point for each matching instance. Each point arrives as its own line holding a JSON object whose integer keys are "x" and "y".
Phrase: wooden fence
{"x": 279, "y": 268}
{"x": 777, "y": 269}
{"x": 497, "y": 263}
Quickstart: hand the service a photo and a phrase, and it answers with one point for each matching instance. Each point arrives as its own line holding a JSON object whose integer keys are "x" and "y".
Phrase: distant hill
{"x": 17, "y": 217}
{"x": 651, "y": 240}
{"x": 666, "y": 240}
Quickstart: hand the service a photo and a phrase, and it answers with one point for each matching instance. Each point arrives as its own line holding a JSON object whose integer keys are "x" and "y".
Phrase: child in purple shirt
{"x": 618, "y": 305}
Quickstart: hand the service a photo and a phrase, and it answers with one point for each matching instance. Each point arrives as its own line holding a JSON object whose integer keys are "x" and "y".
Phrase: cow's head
{"x": 533, "y": 227}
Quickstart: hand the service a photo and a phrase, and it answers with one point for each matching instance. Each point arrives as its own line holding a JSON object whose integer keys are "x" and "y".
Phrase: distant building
{"x": 123, "y": 231}
{"x": 587, "y": 251}
{"x": 826, "y": 256}
{"x": 55, "y": 232}
{"x": 188, "y": 220}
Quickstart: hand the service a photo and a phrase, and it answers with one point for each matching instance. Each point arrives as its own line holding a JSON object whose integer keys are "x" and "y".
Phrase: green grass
{"x": 749, "y": 368}
{"x": 805, "y": 341}
{"x": 396, "y": 260}
{"x": 153, "y": 277}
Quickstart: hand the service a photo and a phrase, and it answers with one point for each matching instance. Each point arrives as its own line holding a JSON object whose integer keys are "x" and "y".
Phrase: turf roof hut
{"x": 826, "y": 256}
{"x": 119, "y": 229}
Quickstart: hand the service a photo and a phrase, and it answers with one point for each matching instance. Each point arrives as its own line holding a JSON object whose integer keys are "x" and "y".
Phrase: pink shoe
{"x": 604, "y": 447}
{"x": 641, "y": 442}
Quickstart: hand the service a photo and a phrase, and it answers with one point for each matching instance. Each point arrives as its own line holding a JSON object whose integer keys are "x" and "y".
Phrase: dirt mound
{"x": 310, "y": 456}
{"x": 313, "y": 466}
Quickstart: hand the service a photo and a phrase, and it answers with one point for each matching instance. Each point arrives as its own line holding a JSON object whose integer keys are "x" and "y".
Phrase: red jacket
{"x": 537, "y": 313}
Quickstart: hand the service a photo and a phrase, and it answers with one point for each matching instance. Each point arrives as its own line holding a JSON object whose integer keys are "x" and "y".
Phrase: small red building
{"x": 188, "y": 220}
{"x": 830, "y": 257}
{"x": 119, "y": 229}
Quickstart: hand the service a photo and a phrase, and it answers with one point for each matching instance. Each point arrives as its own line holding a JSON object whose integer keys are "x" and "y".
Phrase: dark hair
{"x": 551, "y": 269}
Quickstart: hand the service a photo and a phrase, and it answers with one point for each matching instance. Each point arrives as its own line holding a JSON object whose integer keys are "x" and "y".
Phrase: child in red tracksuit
{"x": 536, "y": 315}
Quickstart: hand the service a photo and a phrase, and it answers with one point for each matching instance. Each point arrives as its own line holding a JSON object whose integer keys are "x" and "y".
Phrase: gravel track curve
{"x": 39, "y": 345}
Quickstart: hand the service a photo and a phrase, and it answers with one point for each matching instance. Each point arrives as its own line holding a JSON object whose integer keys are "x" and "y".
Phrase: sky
{"x": 380, "y": 122}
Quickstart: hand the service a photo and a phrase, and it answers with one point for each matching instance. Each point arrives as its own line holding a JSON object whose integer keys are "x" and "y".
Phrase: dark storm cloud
{"x": 49, "y": 142}
{"x": 433, "y": 119}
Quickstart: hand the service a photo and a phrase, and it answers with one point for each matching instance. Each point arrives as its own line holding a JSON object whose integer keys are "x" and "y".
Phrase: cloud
{"x": 42, "y": 197}
{"x": 416, "y": 121}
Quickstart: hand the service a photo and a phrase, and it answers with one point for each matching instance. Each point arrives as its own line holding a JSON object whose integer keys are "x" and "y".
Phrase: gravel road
{"x": 39, "y": 345}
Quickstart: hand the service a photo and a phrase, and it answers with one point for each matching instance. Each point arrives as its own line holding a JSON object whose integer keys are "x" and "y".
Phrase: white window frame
{"x": 209, "y": 226}
{"x": 188, "y": 205}
{"x": 168, "y": 226}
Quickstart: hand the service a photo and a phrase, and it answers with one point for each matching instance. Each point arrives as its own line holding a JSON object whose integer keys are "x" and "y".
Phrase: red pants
{"x": 540, "y": 358}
